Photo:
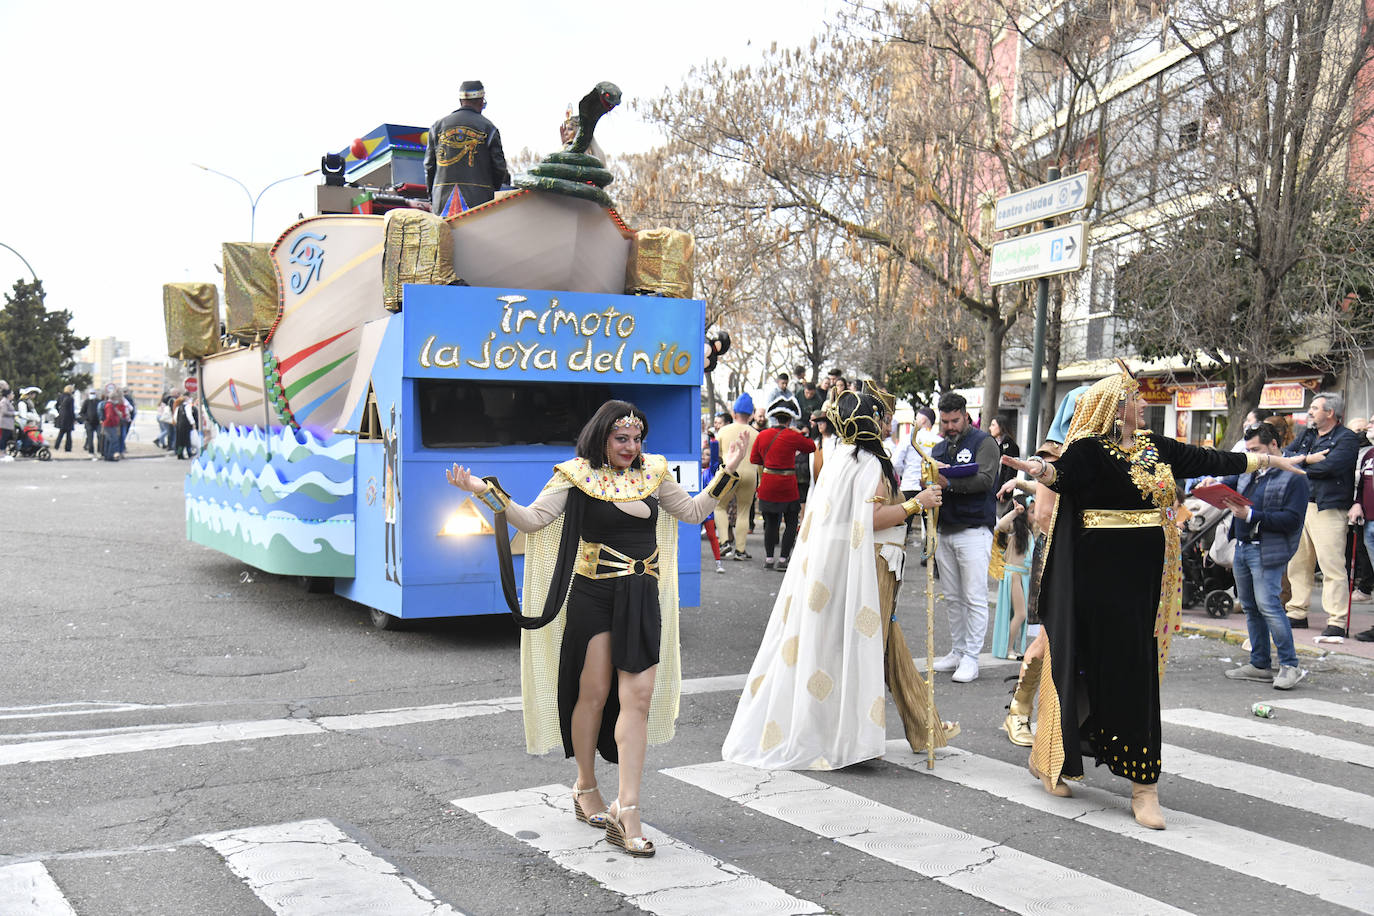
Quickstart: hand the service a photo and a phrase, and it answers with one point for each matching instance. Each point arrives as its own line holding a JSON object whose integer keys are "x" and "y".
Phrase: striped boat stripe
{"x": 304, "y": 381}
{"x": 290, "y": 361}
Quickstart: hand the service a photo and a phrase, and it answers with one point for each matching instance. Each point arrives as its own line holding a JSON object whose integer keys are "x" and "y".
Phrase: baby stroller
{"x": 1205, "y": 580}
{"x": 27, "y": 443}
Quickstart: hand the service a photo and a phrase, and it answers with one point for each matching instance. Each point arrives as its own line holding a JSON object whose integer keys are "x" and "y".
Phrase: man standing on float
{"x": 464, "y": 154}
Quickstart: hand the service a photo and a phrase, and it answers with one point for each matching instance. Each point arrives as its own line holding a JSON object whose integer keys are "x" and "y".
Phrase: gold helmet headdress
{"x": 1096, "y": 411}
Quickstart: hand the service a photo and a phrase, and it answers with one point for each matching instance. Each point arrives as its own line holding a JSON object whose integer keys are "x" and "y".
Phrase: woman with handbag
{"x": 599, "y": 652}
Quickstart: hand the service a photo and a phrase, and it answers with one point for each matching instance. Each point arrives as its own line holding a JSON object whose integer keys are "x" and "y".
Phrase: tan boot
{"x": 1017, "y": 724}
{"x": 1145, "y": 805}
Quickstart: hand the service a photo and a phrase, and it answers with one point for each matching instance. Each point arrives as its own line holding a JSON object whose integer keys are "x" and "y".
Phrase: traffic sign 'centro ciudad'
{"x": 1059, "y": 250}
{"x": 1054, "y": 198}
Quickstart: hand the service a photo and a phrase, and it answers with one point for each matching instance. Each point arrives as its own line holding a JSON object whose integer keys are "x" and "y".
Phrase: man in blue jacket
{"x": 1323, "y": 532}
{"x": 1266, "y": 533}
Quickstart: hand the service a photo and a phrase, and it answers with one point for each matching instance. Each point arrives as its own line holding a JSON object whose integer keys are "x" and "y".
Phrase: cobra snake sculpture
{"x": 572, "y": 170}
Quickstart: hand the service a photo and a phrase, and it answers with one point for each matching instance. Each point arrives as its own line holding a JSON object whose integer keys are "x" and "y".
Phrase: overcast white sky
{"x": 106, "y": 105}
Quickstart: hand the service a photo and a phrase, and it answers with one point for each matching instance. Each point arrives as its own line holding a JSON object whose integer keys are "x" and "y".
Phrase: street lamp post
{"x": 22, "y": 258}
{"x": 252, "y": 201}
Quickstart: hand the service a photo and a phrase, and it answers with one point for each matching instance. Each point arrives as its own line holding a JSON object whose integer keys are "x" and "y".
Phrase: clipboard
{"x": 1217, "y": 493}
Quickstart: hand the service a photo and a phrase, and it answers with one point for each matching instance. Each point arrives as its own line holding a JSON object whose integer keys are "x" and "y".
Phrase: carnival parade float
{"x": 362, "y": 354}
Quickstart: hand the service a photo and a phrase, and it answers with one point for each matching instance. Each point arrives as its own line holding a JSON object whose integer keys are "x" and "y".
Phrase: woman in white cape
{"x": 815, "y": 697}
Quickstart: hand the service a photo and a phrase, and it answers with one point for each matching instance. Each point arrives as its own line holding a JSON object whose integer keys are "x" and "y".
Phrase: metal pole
{"x": 252, "y": 201}
{"x": 1042, "y": 301}
{"x": 22, "y": 258}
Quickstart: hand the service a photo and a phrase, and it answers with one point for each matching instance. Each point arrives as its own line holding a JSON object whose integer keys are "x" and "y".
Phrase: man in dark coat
{"x": 464, "y": 153}
{"x": 66, "y": 418}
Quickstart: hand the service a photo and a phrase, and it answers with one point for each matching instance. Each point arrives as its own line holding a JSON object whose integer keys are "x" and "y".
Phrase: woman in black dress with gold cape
{"x": 1110, "y": 593}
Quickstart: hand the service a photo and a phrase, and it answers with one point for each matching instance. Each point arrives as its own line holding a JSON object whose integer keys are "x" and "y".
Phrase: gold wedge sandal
{"x": 597, "y": 820}
{"x": 637, "y": 846}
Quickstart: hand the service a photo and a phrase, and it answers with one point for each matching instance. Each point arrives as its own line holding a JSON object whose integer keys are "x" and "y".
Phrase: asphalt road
{"x": 158, "y": 697}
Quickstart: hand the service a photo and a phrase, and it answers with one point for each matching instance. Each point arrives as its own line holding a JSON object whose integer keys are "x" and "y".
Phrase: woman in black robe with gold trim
{"x": 1108, "y": 610}
{"x": 599, "y": 651}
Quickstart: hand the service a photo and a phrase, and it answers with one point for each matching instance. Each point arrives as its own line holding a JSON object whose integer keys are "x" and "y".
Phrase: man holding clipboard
{"x": 1269, "y": 510}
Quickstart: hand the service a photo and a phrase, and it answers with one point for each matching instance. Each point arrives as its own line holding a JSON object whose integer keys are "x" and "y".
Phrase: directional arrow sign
{"x": 1060, "y": 250}
{"x": 1067, "y": 195}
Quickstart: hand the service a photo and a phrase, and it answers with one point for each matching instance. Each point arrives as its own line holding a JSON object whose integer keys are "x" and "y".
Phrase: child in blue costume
{"x": 1009, "y": 630}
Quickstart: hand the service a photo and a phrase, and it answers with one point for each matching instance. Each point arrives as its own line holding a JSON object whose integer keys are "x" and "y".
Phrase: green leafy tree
{"x": 37, "y": 347}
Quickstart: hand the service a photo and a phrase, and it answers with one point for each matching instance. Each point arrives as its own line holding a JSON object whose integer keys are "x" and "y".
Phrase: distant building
{"x": 101, "y": 353}
{"x": 143, "y": 379}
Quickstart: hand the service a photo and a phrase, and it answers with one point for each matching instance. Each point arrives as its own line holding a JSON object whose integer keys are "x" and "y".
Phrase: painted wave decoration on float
{"x": 281, "y": 501}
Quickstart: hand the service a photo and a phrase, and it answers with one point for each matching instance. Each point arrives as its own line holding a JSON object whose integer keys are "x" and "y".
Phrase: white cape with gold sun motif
{"x": 815, "y": 697}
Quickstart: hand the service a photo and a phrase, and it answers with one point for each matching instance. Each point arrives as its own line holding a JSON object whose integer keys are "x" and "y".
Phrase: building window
{"x": 1189, "y": 135}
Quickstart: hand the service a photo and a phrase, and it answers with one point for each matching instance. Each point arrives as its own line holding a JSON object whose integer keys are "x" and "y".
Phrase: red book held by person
{"x": 1217, "y": 494}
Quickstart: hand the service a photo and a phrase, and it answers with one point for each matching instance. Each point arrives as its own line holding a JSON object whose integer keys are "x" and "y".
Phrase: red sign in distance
{"x": 191, "y": 385}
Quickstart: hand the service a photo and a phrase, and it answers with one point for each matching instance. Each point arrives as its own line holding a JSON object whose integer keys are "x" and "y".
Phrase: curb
{"x": 1236, "y": 637}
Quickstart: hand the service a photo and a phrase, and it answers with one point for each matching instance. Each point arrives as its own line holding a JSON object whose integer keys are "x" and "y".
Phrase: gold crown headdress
{"x": 853, "y": 421}
{"x": 1095, "y": 412}
{"x": 628, "y": 420}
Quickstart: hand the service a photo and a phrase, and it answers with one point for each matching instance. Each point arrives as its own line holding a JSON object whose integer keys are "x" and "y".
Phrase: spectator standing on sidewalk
{"x": 111, "y": 420}
{"x": 810, "y": 399}
{"x": 90, "y": 417}
{"x": 1362, "y": 512}
{"x": 1266, "y": 534}
{"x": 6, "y": 420}
{"x": 1323, "y": 533}
{"x": 66, "y": 418}
{"x": 964, "y": 548}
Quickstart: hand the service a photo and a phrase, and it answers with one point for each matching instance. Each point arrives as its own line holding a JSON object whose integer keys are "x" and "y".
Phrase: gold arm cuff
{"x": 495, "y": 497}
{"x": 597, "y": 561}
{"x": 1124, "y": 518}
{"x": 912, "y": 507}
{"x": 1252, "y": 462}
{"x": 722, "y": 484}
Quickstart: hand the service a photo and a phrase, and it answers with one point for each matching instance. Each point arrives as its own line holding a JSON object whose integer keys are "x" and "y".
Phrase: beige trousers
{"x": 1322, "y": 543}
{"x": 742, "y": 495}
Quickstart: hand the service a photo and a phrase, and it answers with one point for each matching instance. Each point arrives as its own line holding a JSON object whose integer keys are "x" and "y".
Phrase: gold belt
{"x": 779, "y": 470}
{"x": 1125, "y": 518}
{"x": 592, "y": 557}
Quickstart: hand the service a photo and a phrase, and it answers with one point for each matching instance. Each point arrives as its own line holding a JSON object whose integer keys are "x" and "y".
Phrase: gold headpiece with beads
{"x": 853, "y": 422}
{"x": 628, "y": 420}
{"x": 1095, "y": 412}
{"x": 873, "y": 389}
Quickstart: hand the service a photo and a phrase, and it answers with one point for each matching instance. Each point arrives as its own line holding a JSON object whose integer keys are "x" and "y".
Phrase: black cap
{"x": 472, "y": 89}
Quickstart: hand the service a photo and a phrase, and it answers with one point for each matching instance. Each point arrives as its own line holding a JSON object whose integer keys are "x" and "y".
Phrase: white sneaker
{"x": 1359, "y": 597}
{"x": 949, "y": 662}
{"x": 720, "y": 567}
{"x": 967, "y": 671}
{"x": 7, "y": 458}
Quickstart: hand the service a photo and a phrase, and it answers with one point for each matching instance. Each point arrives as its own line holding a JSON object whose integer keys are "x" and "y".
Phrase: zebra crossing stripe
{"x": 1356, "y": 714}
{"x": 679, "y": 879}
{"x": 1273, "y": 734}
{"x": 1323, "y": 876}
{"x": 312, "y": 868}
{"x": 1273, "y": 786}
{"x": 984, "y": 869}
{"x": 28, "y": 890}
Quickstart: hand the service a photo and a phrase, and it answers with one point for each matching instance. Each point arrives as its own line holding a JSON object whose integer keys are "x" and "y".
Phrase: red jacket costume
{"x": 776, "y": 450}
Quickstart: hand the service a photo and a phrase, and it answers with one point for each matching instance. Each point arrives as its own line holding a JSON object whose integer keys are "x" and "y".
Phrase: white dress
{"x": 815, "y": 697}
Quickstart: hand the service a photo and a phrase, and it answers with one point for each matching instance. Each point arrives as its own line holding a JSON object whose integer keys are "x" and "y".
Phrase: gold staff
{"x": 930, "y": 476}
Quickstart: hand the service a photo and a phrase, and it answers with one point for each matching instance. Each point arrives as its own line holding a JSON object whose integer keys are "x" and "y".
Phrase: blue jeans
{"x": 1258, "y": 588}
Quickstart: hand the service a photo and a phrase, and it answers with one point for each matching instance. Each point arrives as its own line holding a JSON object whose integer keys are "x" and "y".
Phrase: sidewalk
{"x": 1233, "y": 629}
